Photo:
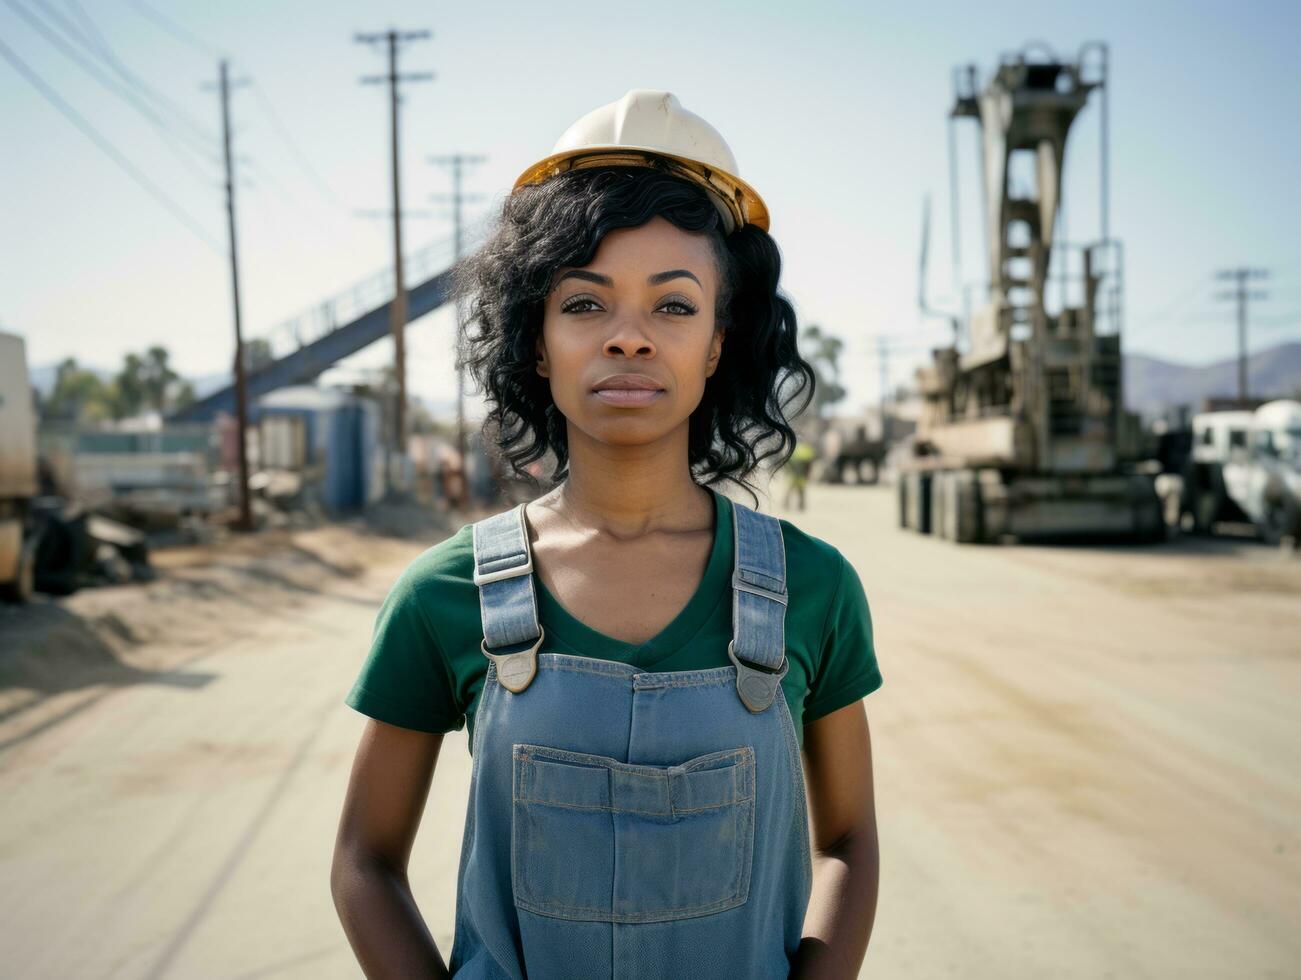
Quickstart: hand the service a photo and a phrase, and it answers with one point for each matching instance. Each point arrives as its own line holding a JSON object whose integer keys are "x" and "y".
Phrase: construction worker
{"x": 797, "y": 472}
{"x": 641, "y": 660}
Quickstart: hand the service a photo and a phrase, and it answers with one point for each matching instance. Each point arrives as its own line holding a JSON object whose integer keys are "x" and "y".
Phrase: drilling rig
{"x": 1023, "y": 431}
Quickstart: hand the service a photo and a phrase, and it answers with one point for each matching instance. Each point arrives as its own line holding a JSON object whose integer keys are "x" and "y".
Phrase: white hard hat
{"x": 650, "y": 122}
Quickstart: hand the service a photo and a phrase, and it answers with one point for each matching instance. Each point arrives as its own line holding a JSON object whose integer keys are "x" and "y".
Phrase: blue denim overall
{"x": 626, "y": 823}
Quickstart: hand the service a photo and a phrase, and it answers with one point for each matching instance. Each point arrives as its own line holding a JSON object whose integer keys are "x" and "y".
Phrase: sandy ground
{"x": 1085, "y": 760}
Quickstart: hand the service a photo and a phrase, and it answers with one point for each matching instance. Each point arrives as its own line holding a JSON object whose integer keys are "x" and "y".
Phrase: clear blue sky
{"x": 836, "y": 113}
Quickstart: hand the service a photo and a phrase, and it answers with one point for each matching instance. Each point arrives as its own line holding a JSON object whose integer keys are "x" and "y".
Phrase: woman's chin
{"x": 630, "y": 430}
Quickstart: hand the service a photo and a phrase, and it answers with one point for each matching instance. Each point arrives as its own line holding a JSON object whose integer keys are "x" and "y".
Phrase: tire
{"x": 1280, "y": 518}
{"x": 941, "y": 502}
{"x": 23, "y": 587}
{"x": 925, "y": 514}
{"x": 1206, "y": 499}
{"x": 967, "y": 510}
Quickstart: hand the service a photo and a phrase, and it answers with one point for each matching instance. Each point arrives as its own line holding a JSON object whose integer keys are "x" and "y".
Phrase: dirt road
{"x": 1084, "y": 756}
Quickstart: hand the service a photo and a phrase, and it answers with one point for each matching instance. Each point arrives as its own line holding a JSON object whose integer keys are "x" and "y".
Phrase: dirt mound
{"x": 203, "y": 595}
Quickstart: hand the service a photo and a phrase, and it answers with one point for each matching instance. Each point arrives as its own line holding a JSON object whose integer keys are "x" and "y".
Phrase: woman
{"x": 641, "y": 660}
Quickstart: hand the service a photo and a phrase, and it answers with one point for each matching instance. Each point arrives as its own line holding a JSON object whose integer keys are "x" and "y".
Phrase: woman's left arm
{"x": 842, "y": 906}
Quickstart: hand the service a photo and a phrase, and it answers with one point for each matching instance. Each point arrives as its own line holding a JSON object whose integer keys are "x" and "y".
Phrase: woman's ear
{"x": 715, "y": 352}
{"x": 541, "y": 350}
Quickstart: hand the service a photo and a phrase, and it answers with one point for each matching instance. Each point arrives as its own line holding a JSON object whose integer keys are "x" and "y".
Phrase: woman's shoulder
{"x": 814, "y": 566}
{"x": 449, "y": 563}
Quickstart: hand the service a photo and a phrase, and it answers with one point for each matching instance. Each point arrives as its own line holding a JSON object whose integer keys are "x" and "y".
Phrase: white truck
{"x": 1246, "y": 466}
{"x": 18, "y": 482}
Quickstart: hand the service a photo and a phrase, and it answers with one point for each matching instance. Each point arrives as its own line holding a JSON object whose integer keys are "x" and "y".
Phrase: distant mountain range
{"x": 1152, "y": 385}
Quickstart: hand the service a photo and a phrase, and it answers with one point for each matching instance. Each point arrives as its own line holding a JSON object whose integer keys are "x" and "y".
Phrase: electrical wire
{"x": 1278, "y": 319}
{"x": 93, "y": 70}
{"x": 1145, "y": 322}
{"x": 86, "y": 34}
{"x": 109, "y": 56}
{"x": 175, "y": 29}
{"x": 276, "y": 121}
{"x": 99, "y": 47}
{"x": 256, "y": 175}
{"x": 282, "y": 131}
{"x": 107, "y": 147}
{"x": 161, "y": 125}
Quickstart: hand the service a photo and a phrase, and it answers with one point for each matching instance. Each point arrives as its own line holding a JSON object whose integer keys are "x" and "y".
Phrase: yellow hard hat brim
{"x": 741, "y": 200}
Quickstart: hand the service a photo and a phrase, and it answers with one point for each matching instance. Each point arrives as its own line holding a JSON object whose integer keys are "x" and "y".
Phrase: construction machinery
{"x": 1023, "y": 431}
{"x": 1246, "y": 466}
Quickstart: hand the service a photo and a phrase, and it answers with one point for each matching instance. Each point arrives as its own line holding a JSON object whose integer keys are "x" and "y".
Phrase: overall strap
{"x": 508, "y": 605}
{"x": 758, "y": 645}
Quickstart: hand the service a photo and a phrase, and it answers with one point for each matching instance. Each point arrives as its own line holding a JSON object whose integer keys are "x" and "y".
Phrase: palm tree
{"x": 822, "y": 351}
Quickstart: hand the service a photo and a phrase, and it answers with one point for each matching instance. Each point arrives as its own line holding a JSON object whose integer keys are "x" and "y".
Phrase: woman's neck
{"x": 628, "y": 491}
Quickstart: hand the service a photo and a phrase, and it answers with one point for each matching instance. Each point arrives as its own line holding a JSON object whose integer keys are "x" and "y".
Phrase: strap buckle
{"x": 510, "y": 571}
{"x": 515, "y": 671}
{"x": 746, "y": 586}
{"x": 756, "y": 684}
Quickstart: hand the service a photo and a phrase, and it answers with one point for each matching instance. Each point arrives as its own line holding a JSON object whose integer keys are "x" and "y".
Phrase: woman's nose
{"x": 628, "y": 338}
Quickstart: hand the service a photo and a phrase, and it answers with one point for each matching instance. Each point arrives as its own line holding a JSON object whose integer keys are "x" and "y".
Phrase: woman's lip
{"x": 628, "y": 396}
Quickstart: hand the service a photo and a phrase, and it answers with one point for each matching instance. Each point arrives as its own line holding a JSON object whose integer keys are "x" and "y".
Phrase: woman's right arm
{"x": 385, "y": 799}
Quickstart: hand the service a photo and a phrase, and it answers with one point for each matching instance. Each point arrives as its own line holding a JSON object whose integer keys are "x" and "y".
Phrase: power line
{"x": 261, "y": 175}
{"x": 130, "y": 97}
{"x": 1176, "y": 305}
{"x": 176, "y": 30}
{"x": 1280, "y": 319}
{"x": 108, "y": 55}
{"x": 85, "y": 33}
{"x": 1223, "y": 315}
{"x": 106, "y": 146}
{"x": 283, "y": 132}
{"x": 92, "y": 69}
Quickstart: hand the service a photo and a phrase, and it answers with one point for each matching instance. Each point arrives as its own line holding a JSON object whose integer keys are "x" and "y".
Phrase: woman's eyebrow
{"x": 660, "y": 277}
{"x": 595, "y": 277}
{"x": 601, "y": 280}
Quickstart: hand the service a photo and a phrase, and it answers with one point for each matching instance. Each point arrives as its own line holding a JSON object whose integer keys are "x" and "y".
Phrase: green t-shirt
{"x": 425, "y": 669}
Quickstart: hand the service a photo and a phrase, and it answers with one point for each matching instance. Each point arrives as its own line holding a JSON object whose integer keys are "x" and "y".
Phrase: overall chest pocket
{"x": 597, "y": 839}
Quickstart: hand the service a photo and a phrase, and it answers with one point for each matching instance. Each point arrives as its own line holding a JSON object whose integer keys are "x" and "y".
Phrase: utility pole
{"x": 882, "y": 355}
{"x": 245, "y": 522}
{"x": 457, "y": 162}
{"x": 398, "y": 307}
{"x": 1242, "y": 294}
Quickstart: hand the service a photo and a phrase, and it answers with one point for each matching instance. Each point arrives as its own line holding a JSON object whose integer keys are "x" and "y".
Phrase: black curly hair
{"x": 744, "y": 414}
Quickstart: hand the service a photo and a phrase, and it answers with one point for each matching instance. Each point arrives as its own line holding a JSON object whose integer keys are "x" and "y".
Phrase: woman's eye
{"x": 577, "y": 305}
{"x": 585, "y": 304}
{"x": 683, "y": 308}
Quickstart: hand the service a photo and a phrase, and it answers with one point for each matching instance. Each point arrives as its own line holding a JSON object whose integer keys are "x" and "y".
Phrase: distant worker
{"x": 453, "y": 477}
{"x": 797, "y": 472}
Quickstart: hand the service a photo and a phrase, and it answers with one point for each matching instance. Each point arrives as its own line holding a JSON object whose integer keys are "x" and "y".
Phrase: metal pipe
{"x": 984, "y": 181}
{"x": 1105, "y": 149}
{"x": 955, "y": 229}
{"x": 1104, "y": 141}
